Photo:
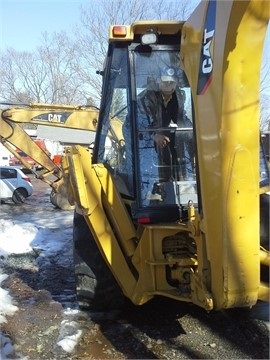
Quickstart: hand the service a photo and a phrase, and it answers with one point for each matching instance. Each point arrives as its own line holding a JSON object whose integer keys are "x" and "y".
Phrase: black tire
{"x": 19, "y": 196}
{"x": 96, "y": 287}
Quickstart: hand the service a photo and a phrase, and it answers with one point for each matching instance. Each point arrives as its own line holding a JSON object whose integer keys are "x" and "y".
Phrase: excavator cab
{"x": 156, "y": 189}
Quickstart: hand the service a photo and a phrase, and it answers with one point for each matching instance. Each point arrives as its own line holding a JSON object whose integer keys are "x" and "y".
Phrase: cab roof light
{"x": 119, "y": 30}
{"x": 149, "y": 38}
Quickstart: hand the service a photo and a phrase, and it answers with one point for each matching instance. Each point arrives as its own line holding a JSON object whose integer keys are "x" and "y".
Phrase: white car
{"x": 14, "y": 185}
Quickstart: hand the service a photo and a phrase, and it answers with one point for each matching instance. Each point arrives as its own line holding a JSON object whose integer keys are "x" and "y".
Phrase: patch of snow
{"x": 21, "y": 236}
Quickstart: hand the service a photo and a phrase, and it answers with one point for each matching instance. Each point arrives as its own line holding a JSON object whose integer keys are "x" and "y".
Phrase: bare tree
{"x": 47, "y": 75}
{"x": 265, "y": 97}
{"x": 12, "y": 85}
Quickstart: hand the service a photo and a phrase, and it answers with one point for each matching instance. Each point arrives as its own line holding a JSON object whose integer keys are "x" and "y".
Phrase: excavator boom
{"x": 67, "y": 116}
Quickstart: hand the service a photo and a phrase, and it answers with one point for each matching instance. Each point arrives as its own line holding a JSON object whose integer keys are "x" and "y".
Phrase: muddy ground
{"x": 48, "y": 314}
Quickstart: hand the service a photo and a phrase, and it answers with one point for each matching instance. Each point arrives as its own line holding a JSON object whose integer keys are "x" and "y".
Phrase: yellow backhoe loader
{"x": 201, "y": 235}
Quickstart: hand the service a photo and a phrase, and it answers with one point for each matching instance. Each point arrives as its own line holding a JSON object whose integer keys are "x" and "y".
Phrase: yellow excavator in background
{"x": 201, "y": 235}
{"x": 13, "y": 136}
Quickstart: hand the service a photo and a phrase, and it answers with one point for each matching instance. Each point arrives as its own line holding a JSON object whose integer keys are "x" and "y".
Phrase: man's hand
{"x": 161, "y": 140}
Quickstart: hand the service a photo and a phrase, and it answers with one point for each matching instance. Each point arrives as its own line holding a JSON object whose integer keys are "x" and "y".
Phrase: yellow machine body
{"x": 221, "y": 265}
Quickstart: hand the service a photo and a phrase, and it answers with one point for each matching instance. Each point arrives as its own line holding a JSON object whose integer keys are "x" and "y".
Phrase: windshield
{"x": 167, "y": 169}
{"x": 132, "y": 113}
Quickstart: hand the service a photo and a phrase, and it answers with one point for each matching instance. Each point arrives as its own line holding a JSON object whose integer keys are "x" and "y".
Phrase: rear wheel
{"x": 96, "y": 287}
{"x": 19, "y": 196}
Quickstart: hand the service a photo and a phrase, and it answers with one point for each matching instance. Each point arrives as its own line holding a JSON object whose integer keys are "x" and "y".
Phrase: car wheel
{"x": 19, "y": 196}
{"x": 96, "y": 287}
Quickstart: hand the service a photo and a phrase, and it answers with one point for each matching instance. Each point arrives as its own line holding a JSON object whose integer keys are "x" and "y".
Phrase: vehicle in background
{"x": 14, "y": 161}
{"x": 14, "y": 185}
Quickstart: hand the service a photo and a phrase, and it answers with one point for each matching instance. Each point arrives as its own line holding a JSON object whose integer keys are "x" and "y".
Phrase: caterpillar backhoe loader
{"x": 202, "y": 234}
{"x": 56, "y": 115}
{"x": 196, "y": 237}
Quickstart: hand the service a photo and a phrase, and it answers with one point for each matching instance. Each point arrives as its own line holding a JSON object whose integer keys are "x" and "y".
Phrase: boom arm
{"x": 67, "y": 116}
{"x": 63, "y": 116}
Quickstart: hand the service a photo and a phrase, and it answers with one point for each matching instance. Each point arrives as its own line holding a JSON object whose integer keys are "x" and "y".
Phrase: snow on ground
{"x": 37, "y": 235}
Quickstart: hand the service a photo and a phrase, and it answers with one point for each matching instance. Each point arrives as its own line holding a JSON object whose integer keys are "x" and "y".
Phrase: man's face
{"x": 167, "y": 87}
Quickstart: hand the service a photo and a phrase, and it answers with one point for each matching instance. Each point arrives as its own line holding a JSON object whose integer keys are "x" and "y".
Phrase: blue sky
{"x": 23, "y": 21}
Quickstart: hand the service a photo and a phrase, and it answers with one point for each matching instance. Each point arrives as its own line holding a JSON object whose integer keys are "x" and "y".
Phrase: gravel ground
{"x": 44, "y": 292}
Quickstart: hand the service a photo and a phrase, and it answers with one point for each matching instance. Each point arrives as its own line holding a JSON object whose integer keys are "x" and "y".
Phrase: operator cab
{"x": 125, "y": 137}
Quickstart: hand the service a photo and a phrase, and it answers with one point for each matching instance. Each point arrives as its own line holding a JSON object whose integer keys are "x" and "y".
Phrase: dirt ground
{"x": 161, "y": 329}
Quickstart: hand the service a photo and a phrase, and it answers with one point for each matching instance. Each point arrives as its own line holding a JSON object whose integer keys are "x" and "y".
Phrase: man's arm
{"x": 149, "y": 105}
